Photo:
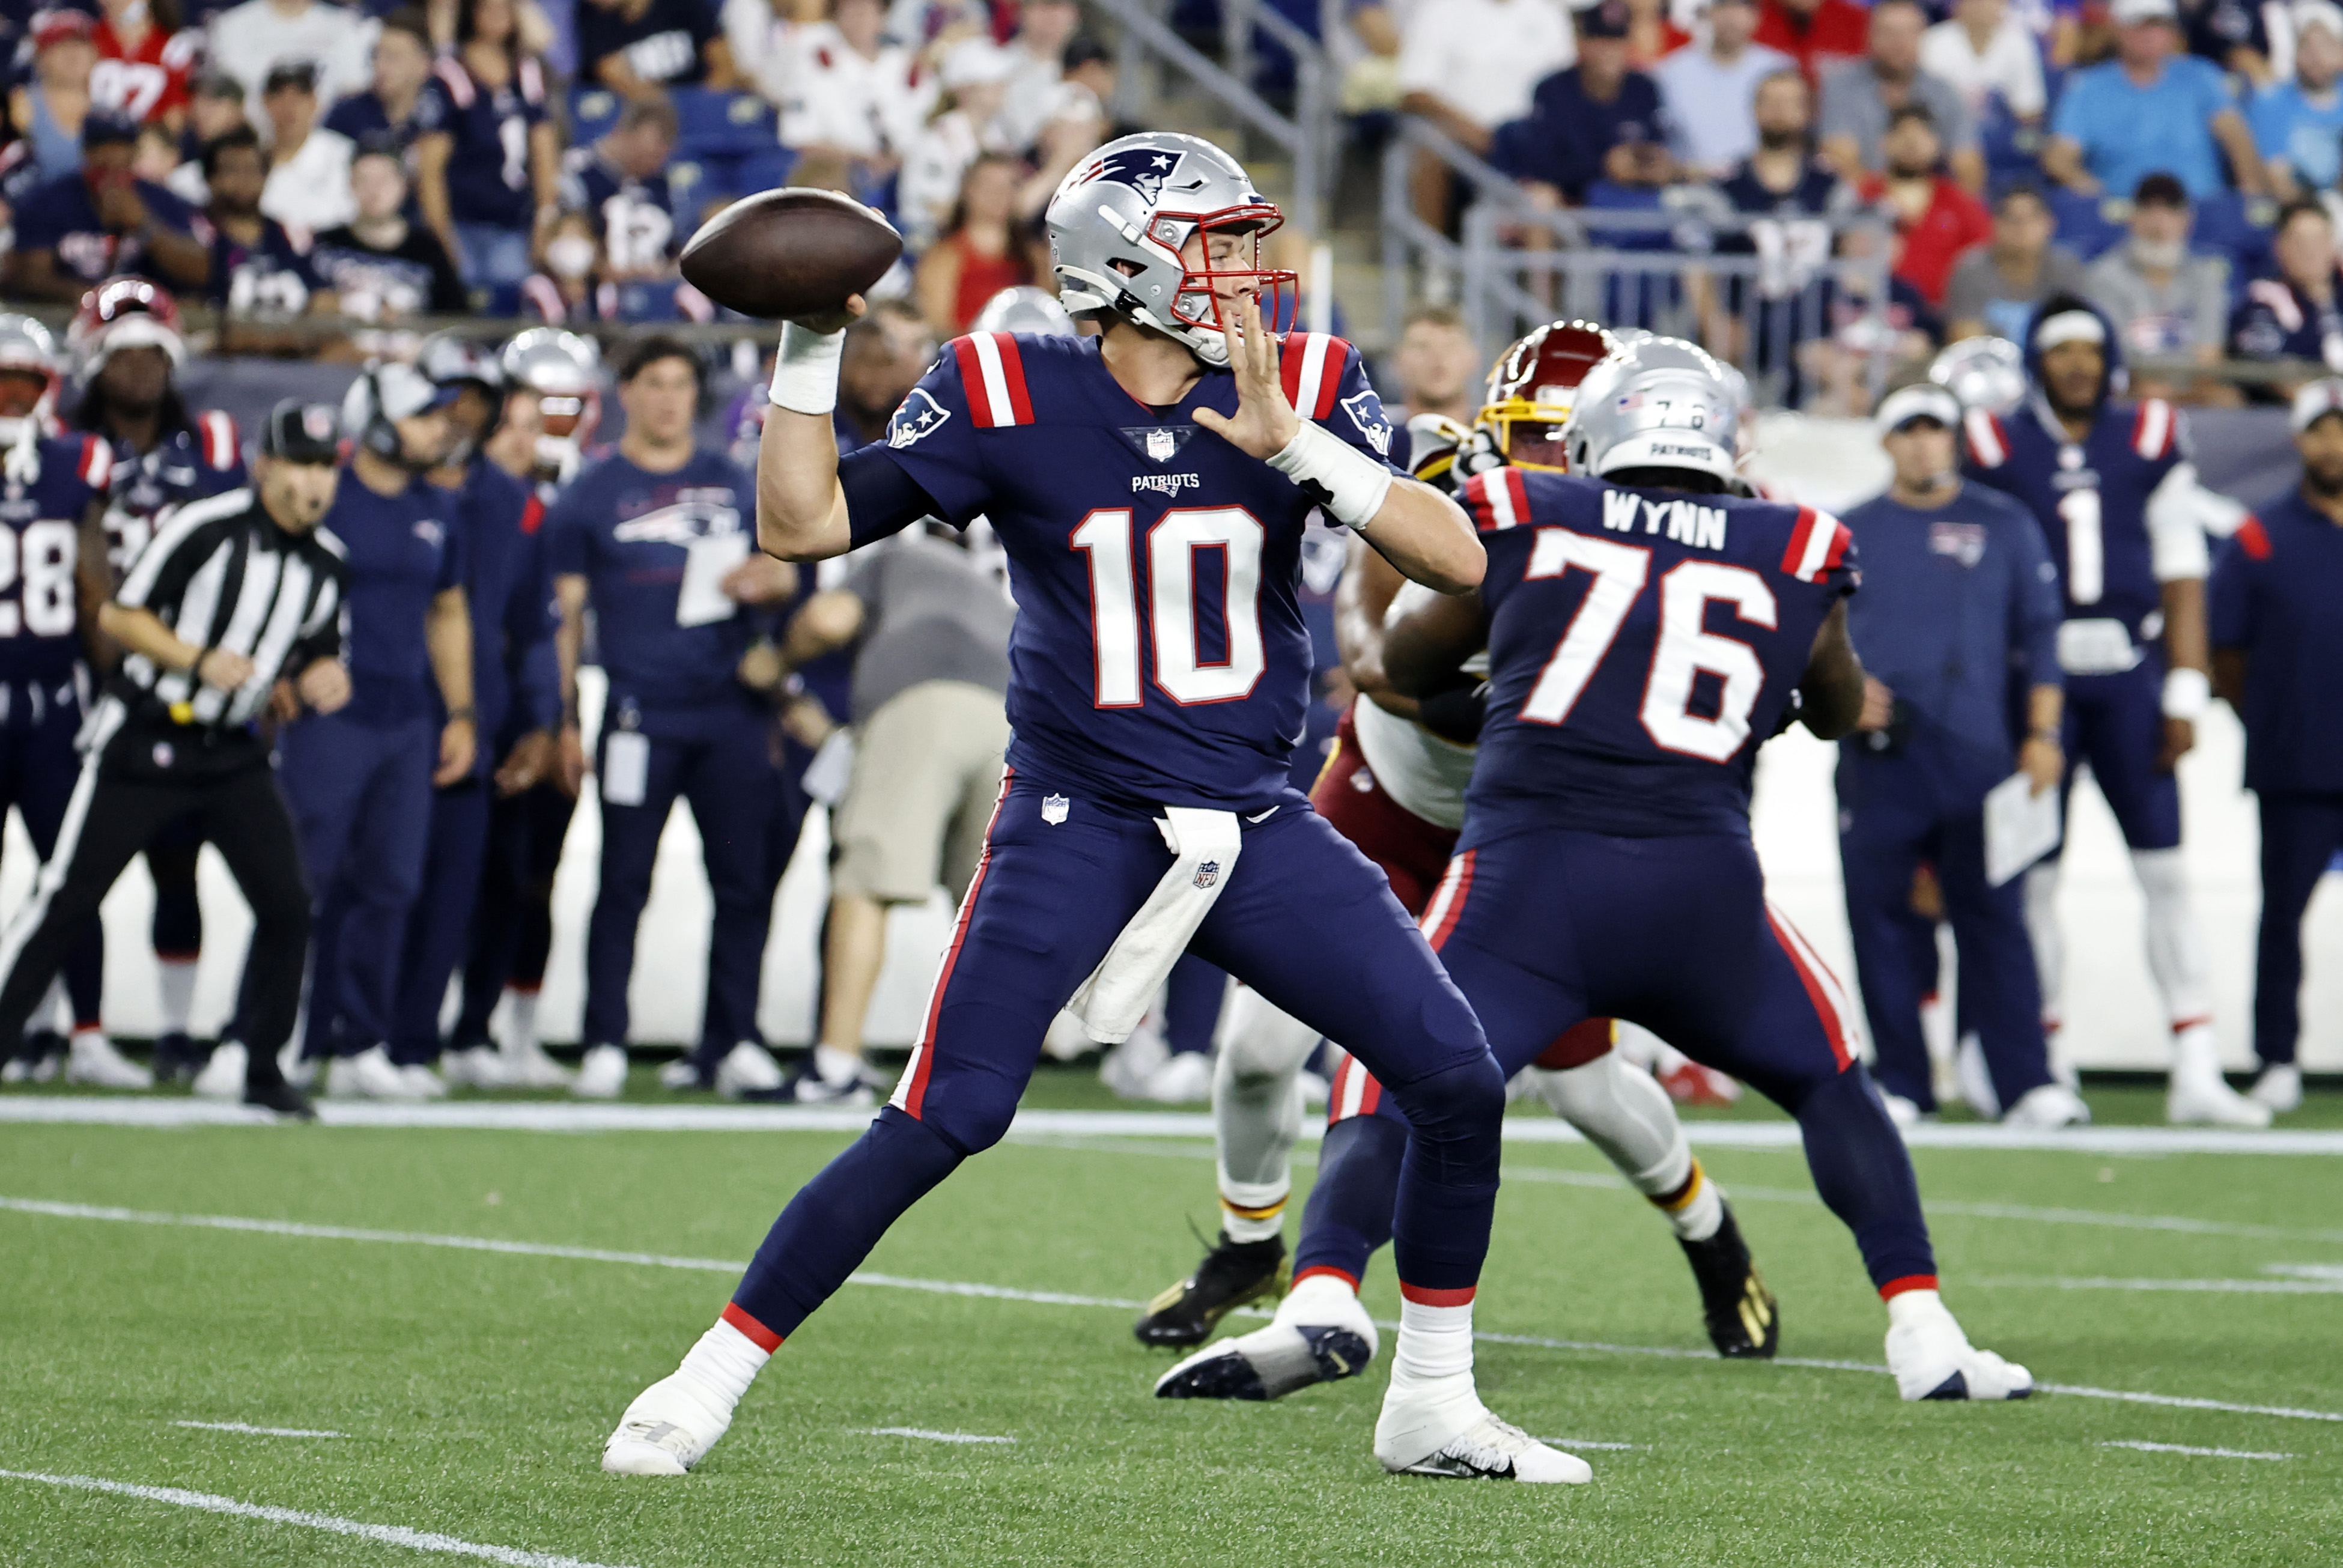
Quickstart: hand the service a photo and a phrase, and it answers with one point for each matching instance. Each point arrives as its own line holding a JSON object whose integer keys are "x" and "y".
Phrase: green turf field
{"x": 473, "y": 1388}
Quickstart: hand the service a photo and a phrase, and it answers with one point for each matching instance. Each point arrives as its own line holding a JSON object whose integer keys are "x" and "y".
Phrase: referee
{"x": 236, "y": 594}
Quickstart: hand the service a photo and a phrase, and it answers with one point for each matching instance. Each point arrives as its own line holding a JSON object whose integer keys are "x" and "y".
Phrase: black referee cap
{"x": 302, "y": 432}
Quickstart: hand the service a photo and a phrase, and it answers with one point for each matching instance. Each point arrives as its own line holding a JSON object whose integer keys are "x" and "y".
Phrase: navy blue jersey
{"x": 362, "y": 117}
{"x": 2277, "y": 592}
{"x": 273, "y": 276}
{"x": 1159, "y": 654}
{"x": 2091, "y": 498}
{"x": 40, "y": 626}
{"x": 1642, "y": 646}
{"x": 487, "y": 164}
{"x": 186, "y": 464}
{"x": 630, "y": 534}
{"x": 401, "y": 552}
{"x": 2276, "y": 320}
{"x": 59, "y": 216}
{"x": 634, "y": 219}
{"x": 667, "y": 45}
{"x": 510, "y": 592}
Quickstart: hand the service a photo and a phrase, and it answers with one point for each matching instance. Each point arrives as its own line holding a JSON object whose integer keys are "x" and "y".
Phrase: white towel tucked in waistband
{"x": 1204, "y": 846}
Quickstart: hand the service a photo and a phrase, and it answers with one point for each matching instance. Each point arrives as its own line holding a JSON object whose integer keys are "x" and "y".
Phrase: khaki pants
{"x": 927, "y": 770}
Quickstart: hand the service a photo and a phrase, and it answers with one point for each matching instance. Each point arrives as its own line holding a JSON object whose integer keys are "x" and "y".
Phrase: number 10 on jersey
{"x": 1175, "y": 545}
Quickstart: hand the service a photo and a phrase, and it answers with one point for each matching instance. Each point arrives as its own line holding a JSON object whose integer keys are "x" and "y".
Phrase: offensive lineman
{"x": 1645, "y": 631}
{"x": 1395, "y": 787}
{"x": 1151, "y": 487}
{"x": 2118, "y": 502}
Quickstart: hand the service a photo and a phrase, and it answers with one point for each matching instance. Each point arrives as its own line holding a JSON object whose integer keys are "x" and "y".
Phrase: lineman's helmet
{"x": 565, "y": 372}
{"x": 1025, "y": 309}
{"x": 123, "y": 313}
{"x": 1533, "y": 386}
{"x": 28, "y": 378}
{"x": 1988, "y": 373}
{"x": 1657, "y": 403}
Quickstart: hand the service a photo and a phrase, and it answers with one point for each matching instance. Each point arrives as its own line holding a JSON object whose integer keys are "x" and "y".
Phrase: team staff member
{"x": 510, "y": 599}
{"x": 1958, "y": 586}
{"x": 360, "y": 780}
{"x": 2277, "y": 611}
{"x": 656, "y": 538}
{"x": 236, "y": 596}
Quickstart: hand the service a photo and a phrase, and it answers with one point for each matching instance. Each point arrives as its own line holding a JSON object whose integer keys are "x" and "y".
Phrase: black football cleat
{"x": 282, "y": 1097}
{"x": 1743, "y": 1320}
{"x": 1232, "y": 1274}
{"x": 178, "y": 1059}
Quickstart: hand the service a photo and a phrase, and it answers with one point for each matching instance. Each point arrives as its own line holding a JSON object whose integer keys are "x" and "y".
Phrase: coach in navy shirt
{"x": 81, "y": 228}
{"x": 2276, "y": 603}
{"x": 1957, "y": 591}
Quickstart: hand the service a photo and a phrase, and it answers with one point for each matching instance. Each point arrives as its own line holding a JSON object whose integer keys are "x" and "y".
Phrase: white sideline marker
{"x": 256, "y": 1430}
{"x": 996, "y": 1292}
{"x": 389, "y": 1535}
{"x": 922, "y": 1434}
{"x": 2200, "y": 1453}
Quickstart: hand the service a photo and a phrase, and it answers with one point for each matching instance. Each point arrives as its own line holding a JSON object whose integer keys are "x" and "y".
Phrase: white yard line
{"x": 2318, "y": 1287}
{"x": 1583, "y": 1442}
{"x": 567, "y": 1116}
{"x": 2200, "y": 1453}
{"x": 925, "y": 1435}
{"x": 256, "y": 1430}
{"x": 965, "y": 1288}
{"x": 389, "y": 1535}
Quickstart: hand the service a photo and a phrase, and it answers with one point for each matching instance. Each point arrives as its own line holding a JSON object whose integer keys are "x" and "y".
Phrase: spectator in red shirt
{"x": 1817, "y": 34}
{"x": 1935, "y": 220}
{"x": 143, "y": 61}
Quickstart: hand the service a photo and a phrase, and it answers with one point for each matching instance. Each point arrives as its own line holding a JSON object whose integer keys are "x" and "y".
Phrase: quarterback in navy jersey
{"x": 2113, "y": 487}
{"x": 1647, "y": 631}
{"x": 1150, "y": 487}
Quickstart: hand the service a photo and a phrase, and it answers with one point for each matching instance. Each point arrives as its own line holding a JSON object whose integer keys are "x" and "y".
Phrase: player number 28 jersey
{"x": 1159, "y": 654}
{"x": 39, "y": 613}
{"x": 1642, "y": 644}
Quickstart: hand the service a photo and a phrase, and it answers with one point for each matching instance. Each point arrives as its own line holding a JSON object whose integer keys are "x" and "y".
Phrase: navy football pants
{"x": 1304, "y": 918}
{"x": 439, "y": 926}
{"x": 512, "y": 927}
{"x": 1544, "y": 929}
{"x": 38, "y": 769}
{"x": 2300, "y": 835}
{"x": 2116, "y": 723}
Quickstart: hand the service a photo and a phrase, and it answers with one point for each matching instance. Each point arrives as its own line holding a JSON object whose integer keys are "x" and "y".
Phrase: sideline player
{"x": 1151, "y": 487}
{"x": 2112, "y": 485}
{"x": 1645, "y": 631}
{"x": 1395, "y": 787}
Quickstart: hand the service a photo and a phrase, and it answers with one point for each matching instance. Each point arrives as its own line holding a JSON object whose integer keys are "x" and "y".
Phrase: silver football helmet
{"x": 1122, "y": 218}
{"x": 565, "y": 372}
{"x": 1988, "y": 373}
{"x": 1025, "y": 309}
{"x": 1655, "y": 403}
{"x": 27, "y": 349}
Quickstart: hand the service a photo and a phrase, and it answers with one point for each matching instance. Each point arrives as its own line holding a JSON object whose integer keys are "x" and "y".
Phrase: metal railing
{"x": 1419, "y": 258}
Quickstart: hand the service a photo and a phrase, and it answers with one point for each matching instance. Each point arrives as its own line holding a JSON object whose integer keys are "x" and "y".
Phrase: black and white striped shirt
{"x": 220, "y": 573}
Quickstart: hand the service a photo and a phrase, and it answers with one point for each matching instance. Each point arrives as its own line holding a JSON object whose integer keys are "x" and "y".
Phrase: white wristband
{"x": 805, "y": 372}
{"x": 1354, "y": 483}
{"x": 2186, "y": 694}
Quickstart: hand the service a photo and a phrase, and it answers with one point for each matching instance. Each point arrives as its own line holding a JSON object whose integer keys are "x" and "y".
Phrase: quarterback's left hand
{"x": 1265, "y": 422}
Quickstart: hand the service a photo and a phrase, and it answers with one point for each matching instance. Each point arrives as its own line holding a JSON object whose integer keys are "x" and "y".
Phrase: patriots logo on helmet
{"x": 917, "y": 418}
{"x": 1143, "y": 169}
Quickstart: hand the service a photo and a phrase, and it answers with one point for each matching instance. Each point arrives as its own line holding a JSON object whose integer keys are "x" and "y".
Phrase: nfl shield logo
{"x": 1208, "y": 873}
{"x": 1160, "y": 446}
{"x": 1053, "y": 809}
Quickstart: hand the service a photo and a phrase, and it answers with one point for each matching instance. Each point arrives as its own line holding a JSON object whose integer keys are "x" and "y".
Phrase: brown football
{"x": 791, "y": 253}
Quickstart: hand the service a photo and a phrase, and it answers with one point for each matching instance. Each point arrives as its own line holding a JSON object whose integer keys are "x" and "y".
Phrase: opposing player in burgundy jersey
{"x": 1646, "y": 632}
{"x": 2113, "y": 487}
{"x": 1149, "y": 487}
{"x": 1395, "y": 787}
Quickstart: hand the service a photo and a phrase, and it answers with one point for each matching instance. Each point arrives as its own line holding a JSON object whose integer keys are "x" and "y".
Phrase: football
{"x": 791, "y": 253}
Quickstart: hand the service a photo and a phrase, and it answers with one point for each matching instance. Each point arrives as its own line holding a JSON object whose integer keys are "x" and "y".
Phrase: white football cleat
{"x": 1932, "y": 1359}
{"x": 2046, "y": 1108}
{"x": 668, "y": 1428}
{"x": 1320, "y": 1333}
{"x": 369, "y": 1075}
{"x": 91, "y": 1059}
{"x": 223, "y": 1075}
{"x": 2280, "y": 1087}
{"x": 422, "y": 1083}
{"x": 748, "y": 1067}
{"x": 1902, "y": 1112}
{"x": 1467, "y": 1443}
{"x": 526, "y": 1066}
{"x": 2198, "y": 1093}
{"x": 1186, "y": 1079}
{"x": 602, "y": 1075}
{"x": 16, "y": 1070}
{"x": 480, "y": 1067}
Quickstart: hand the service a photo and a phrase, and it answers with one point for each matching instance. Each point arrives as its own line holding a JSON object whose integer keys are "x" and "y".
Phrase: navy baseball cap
{"x": 301, "y": 432}
{"x": 1607, "y": 20}
{"x": 100, "y": 127}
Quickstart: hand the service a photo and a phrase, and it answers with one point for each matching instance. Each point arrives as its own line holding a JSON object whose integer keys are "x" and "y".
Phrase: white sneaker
{"x": 602, "y": 1075}
{"x": 680, "y": 1073}
{"x": 422, "y": 1083}
{"x": 669, "y": 1428}
{"x": 369, "y": 1075}
{"x": 2280, "y": 1087}
{"x": 91, "y": 1059}
{"x": 526, "y": 1066}
{"x": 223, "y": 1075}
{"x": 2046, "y": 1108}
{"x": 1426, "y": 1437}
{"x": 1320, "y": 1334}
{"x": 1186, "y": 1079}
{"x": 299, "y": 1070}
{"x": 747, "y": 1066}
{"x": 479, "y": 1067}
{"x": 1932, "y": 1359}
{"x": 1902, "y": 1112}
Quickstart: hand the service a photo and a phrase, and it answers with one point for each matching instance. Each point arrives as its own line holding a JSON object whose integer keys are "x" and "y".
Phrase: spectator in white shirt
{"x": 1710, "y": 89}
{"x": 1985, "y": 48}
{"x": 308, "y": 166}
{"x": 1044, "y": 29}
{"x": 975, "y": 80}
{"x": 1469, "y": 66}
{"x": 246, "y": 40}
{"x": 850, "y": 92}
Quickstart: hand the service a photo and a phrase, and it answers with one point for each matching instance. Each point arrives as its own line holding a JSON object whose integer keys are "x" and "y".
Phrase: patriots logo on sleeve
{"x": 918, "y": 417}
{"x": 1143, "y": 169}
{"x": 1366, "y": 412}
